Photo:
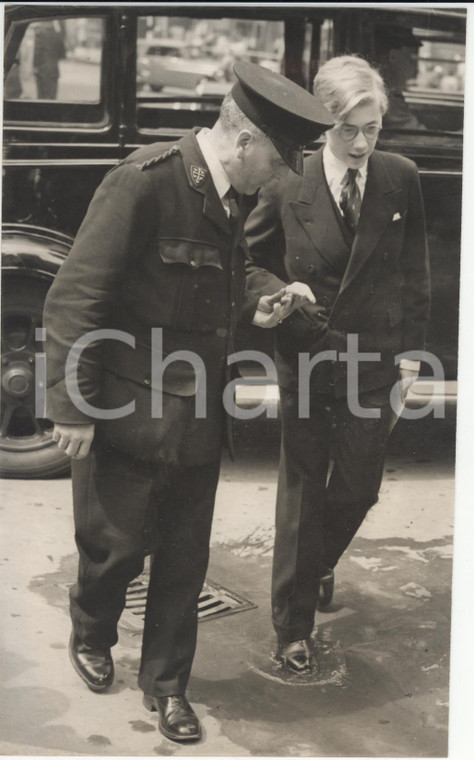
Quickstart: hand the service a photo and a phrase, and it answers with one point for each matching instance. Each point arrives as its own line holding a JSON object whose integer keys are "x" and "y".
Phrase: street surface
{"x": 383, "y": 645}
{"x": 79, "y": 81}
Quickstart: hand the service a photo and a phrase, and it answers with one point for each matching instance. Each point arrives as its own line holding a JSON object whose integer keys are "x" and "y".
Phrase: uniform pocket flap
{"x": 178, "y": 377}
{"x": 189, "y": 252}
{"x": 395, "y": 314}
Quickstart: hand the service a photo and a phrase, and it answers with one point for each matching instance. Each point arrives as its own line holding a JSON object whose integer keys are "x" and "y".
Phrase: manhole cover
{"x": 214, "y": 601}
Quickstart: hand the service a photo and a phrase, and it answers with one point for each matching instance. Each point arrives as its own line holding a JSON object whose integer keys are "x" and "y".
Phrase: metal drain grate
{"x": 214, "y": 601}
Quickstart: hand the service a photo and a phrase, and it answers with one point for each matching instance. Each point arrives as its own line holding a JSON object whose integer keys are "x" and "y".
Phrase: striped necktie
{"x": 350, "y": 200}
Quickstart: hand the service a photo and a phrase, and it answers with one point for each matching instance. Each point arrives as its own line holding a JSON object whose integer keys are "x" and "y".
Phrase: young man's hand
{"x": 301, "y": 293}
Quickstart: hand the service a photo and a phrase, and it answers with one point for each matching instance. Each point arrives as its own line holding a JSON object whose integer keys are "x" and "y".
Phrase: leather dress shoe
{"x": 326, "y": 589}
{"x": 94, "y": 665}
{"x": 296, "y": 656}
{"x": 177, "y": 719}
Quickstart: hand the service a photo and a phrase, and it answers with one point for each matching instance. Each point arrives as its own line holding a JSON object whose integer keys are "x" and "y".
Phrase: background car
{"x": 171, "y": 63}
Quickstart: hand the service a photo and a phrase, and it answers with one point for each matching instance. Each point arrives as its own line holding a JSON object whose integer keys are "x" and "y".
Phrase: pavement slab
{"x": 382, "y": 646}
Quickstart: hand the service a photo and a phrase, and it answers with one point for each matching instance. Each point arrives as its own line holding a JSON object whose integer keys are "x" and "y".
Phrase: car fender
{"x": 35, "y": 250}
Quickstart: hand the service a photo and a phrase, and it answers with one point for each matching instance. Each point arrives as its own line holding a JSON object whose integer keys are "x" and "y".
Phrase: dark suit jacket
{"x": 378, "y": 289}
{"x": 156, "y": 249}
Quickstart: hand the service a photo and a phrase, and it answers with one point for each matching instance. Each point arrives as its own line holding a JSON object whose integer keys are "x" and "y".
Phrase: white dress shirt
{"x": 217, "y": 171}
{"x": 335, "y": 171}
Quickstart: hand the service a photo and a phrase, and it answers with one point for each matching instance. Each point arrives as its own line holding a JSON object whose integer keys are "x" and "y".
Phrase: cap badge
{"x": 198, "y": 175}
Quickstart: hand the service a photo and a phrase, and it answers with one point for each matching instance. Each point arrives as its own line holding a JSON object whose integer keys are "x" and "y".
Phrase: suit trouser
{"x": 124, "y": 510}
{"x": 317, "y": 518}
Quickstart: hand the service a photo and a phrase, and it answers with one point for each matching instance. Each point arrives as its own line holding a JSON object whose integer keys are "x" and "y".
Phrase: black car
{"x": 75, "y": 104}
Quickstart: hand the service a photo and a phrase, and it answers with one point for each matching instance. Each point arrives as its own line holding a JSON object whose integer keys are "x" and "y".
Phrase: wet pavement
{"x": 382, "y": 646}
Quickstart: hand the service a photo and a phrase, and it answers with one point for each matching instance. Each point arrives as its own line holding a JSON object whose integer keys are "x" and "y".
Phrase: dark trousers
{"x": 47, "y": 85}
{"x": 123, "y": 511}
{"x": 317, "y": 516}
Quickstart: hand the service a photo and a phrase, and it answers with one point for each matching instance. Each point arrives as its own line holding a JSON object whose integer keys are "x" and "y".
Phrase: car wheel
{"x": 26, "y": 446}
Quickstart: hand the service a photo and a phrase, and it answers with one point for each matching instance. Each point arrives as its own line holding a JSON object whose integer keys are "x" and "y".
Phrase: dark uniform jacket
{"x": 375, "y": 285}
{"x": 155, "y": 250}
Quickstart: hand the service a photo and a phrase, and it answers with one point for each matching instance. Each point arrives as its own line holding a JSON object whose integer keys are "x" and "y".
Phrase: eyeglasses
{"x": 349, "y": 132}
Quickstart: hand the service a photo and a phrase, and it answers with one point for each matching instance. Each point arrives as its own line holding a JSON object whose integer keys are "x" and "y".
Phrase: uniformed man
{"x": 161, "y": 247}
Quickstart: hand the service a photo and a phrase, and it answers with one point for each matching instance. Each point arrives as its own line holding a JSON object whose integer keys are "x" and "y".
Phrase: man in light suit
{"x": 352, "y": 231}
{"x": 161, "y": 247}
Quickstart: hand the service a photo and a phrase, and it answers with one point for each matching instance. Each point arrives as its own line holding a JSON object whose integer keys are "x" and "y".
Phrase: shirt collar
{"x": 217, "y": 171}
{"x": 335, "y": 169}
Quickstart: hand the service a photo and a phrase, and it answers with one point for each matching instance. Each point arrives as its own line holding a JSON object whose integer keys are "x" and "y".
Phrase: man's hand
{"x": 74, "y": 440}
{"x": 274, "y": 309}
{"x": 407, "y": 377}
{"x": 301, "y": 293}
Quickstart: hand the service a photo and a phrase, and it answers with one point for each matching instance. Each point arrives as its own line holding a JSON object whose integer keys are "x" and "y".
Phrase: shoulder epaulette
{"x": 158, "y": 159}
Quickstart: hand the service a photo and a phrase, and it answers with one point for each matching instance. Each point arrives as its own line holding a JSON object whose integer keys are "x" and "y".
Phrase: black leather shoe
{"x": 95, "y": 666}
{"x": 326, "y": 589}
{"x": 296, "y": 656}
{"x": 177, "y": 720}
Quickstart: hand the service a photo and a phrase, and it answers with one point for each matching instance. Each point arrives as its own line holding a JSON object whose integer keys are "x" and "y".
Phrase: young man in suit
{"x": 352, "y": 231}
{"x": 161, "y": 248}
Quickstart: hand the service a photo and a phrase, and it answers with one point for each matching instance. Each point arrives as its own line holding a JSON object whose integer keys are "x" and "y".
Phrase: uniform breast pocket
{"x": 195, "y": 274}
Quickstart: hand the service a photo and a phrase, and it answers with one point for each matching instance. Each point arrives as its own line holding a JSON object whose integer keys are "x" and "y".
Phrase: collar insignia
{"x": 198, "y": 175}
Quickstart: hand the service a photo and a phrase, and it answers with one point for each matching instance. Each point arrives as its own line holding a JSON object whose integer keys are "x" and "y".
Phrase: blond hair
{"x": 348, "y": 81}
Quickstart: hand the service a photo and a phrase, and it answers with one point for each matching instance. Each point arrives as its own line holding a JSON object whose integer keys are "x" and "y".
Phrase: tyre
{"x": 26, "y": 446}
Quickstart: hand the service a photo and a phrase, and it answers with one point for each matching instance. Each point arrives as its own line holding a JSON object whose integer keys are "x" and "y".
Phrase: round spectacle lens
{"x": 348, "y": 132}
{"x": 371, "y": 131}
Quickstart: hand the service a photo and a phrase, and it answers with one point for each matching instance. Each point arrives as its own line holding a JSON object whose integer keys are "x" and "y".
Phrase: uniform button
{"x": 193, "y": 263}
{"x": 222, "y": 332}
{"x": 147, "y": 381}
{"x": 233, "y": 303}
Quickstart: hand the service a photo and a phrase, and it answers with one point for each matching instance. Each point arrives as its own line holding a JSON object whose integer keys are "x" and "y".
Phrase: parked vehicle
{"x": 168, "y": 63}
{"x": 57, "y": 150}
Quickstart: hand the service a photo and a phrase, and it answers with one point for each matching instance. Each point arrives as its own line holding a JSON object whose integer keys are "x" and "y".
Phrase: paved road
{"x": 79, "y": 81}
{"x": 383, "y": 647}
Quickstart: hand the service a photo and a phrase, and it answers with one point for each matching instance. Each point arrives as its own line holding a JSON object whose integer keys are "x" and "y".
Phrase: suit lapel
{"x": 379, "y": 203}
{"x": 200, "y": 181}
{"x": 314, "y": 210}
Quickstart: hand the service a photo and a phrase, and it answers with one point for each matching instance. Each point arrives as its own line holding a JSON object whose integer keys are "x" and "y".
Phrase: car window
{"x": 55, "y": 60}
{"x": 424, "y": 73}
{"x": 440, "y": 64}
{"x": 421, "y": 56}
{"x": 184, "y": 64}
